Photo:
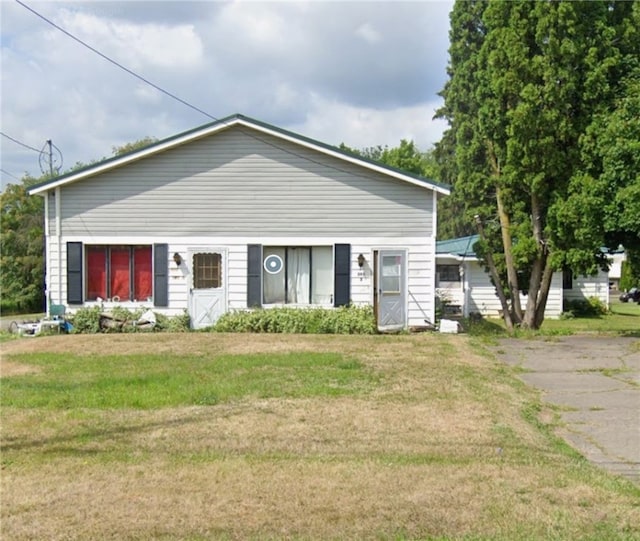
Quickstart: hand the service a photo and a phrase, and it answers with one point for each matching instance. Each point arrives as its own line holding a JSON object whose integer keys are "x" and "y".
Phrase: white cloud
{"x": 362, "y": 73}
{"x": 363, "y": 127}
{"x": 137, "y": 45}
{"x": 368, "y": 33}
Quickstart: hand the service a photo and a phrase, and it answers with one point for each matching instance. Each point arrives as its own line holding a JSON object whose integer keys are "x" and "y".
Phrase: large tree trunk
{"x": 493, "y": 271}
{"x": 545, "y": 287}
{"x": 512, "y": 275}
{"x": 541, "y": 272}
{"x": 505, "y": 228}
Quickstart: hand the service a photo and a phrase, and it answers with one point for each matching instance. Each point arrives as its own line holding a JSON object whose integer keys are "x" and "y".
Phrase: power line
{"x": 8, "y": 174}
{"x": 20, "y": 142}
{"x": 160, "y": 89}
{"x": 130, "y": 72}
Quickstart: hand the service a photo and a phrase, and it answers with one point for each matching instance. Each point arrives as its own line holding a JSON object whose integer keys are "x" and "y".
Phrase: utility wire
{"x": 8, "y": 174}
{"x": 167, "y": 93}
{"x": 130, "y": 72}
{"x": 20, "y": 143}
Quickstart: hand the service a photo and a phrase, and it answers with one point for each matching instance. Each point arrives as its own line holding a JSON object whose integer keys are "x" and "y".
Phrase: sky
{"x": 360, "y": 73}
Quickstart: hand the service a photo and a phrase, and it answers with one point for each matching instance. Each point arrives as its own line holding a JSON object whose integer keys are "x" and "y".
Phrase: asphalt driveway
{"x": 596, "y": 382}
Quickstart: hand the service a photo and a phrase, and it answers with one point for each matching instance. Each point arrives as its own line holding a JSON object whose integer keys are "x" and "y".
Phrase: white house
{"x": 618, "y": 257}
{"x": 463, "y": 282}
{"x": 239, "y": 214}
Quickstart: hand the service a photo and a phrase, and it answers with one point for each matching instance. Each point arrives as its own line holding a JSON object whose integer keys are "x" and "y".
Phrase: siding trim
{"x": 246, "y": 122}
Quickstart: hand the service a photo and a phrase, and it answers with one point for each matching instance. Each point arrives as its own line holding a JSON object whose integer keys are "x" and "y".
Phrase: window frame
{"x": 267, "y": 251}
{"x": 199, "y": 281}
{"x": 449, "y": 267}
{"x": 106, "y": 279}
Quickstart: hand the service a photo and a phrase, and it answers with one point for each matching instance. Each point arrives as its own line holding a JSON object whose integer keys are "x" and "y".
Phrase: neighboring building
{"x": 618, "y": 257}
{"x": 240, "y": 214}
{"x": 461, "y": 280}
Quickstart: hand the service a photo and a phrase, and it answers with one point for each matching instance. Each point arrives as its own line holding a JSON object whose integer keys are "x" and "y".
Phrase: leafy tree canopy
{"x": 406, "y": 157}
{"x": 532, "y": 89}
{"x": 22, "y": 241}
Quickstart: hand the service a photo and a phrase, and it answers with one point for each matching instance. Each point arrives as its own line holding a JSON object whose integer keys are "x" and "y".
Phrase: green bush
{"x": 343, "y": 320}
{"x": 591, "y": 307}
{"x": 181, "y": 323}
{"x": 88, "y": 320}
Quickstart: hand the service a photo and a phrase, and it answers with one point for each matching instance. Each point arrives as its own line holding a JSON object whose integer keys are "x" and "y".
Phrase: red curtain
{"x": 120, "y": 274}
{"x": 96, "y": 272}
{"x": 142, "y": 273}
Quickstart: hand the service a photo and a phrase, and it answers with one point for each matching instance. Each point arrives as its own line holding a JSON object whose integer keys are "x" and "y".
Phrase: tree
{"x": 526, "y": 80}
{"x": 22, "y": 240}
{"x": 135, "y": 145}
{"x": 406, "y": 157}
{"x": 21, "y": 249}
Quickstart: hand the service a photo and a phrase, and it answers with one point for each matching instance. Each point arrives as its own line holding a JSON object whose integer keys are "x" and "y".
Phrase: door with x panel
{"x": 208, "y": 292}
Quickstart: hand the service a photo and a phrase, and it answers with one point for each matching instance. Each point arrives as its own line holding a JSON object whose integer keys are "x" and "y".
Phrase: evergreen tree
{"x": 526, "y": 81}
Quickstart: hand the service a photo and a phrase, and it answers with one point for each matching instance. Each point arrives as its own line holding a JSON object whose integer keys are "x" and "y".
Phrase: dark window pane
{"x": 207, "y": 271}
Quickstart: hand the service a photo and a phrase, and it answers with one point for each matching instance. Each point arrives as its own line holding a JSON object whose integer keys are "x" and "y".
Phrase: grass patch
{"x": 622, "y": 319}
{"x": 228, "y": 436}
{"x": 157, "y": 381}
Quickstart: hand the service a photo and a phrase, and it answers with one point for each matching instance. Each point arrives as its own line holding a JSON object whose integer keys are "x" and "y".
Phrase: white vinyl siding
{"x": 236, "y": 184}
{"x": 585, "y": 287}
{"x": 420, "y": 278}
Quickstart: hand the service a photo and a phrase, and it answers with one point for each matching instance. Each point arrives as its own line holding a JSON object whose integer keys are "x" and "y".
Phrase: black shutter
{"x": 254, "y": 275}
{"x": 342, "y": 275}
{"x": 161, "y": 275}
{"x": 74, "y": 273}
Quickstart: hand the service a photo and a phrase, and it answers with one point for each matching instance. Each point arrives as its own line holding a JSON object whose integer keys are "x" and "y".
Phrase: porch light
{"x": 361, "y": 260}
{"x": 177, "y": 258}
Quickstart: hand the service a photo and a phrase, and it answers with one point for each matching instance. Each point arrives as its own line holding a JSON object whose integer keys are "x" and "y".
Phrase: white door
{"x": 390, "y": 285}
{"x": 208, "y": 295}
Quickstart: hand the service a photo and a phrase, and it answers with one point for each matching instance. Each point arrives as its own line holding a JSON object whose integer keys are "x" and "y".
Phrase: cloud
{"x": 363, "y": 128}
{"x": 138, "y": 45}
{"x": 368, "y": 33}
{"x": 363, "y": 73}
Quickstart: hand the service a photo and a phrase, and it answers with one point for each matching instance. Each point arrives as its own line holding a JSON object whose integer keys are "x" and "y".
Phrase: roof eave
{"x": 223, "y": 124}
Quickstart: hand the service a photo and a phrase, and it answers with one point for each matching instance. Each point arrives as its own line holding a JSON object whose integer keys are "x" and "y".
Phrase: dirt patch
{"x": 10, "y": 368}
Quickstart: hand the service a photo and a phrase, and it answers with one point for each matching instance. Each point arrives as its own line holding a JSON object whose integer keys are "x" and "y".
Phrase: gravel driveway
{"x": 596, "y": 382}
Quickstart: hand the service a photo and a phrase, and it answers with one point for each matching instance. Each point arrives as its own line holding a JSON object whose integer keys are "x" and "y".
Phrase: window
{"x": 123, "y": 273}
{"x": 207, "y": 271}
{"x": 297, "y": 275}
{"x": 447, "y": 273}
{"x": 391, "y": 279}
{"x": 567, "y": 278}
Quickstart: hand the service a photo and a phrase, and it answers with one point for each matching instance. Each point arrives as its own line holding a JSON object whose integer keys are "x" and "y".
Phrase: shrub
{"x": 91, "y": 320}
{"x": 591, "y": 307}
{"x": 343, "y": 320}
{"x": 181, "y": 323}
{"x": 86, "y": 320}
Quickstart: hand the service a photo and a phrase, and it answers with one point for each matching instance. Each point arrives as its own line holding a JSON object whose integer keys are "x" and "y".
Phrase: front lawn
{"x": 217, "y": 436}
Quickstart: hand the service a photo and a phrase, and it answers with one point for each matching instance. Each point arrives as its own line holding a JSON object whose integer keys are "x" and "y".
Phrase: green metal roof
{"x": 212, "y": 127}
{"x": 462, "y": 246}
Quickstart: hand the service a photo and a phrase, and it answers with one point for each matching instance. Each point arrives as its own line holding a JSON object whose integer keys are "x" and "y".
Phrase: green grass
{"x": 623, "y": 319}
{"x": 216, "y": 436}
{"x": 154, "y": 381}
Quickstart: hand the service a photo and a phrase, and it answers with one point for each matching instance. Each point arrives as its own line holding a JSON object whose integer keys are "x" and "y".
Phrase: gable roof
{"x": 222, "y": 124}
{"x": 461, "y": 247}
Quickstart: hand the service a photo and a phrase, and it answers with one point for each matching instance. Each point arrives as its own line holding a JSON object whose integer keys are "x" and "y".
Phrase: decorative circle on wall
{"x": 273, "y": 264}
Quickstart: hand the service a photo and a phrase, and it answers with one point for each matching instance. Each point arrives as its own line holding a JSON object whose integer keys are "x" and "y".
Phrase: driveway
{"x": 596, "y": 382}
